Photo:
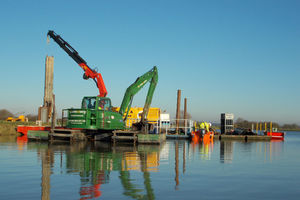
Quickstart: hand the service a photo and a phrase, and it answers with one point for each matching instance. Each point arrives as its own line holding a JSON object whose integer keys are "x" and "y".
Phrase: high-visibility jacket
{"x": 205, "y": 125}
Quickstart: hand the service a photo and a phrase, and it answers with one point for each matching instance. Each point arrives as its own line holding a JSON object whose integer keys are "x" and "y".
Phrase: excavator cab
{"x": 95, "y": 113}
{"x": 104, "y": 104}
{"x": 96, "y": 103}
{"x": 88, "y": 103}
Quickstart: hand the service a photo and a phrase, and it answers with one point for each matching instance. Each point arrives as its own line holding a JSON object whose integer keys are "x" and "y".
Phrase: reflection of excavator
{"x": 95, "y": 166}
{"x": 131, "y": 189}
{"x": 96, "y": 176}
{"x": 96, "y": 111}
{"x": 93, "y": 191}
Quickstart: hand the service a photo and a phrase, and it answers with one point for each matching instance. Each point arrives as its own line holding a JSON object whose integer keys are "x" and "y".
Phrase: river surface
{"x": 174, "y": 170}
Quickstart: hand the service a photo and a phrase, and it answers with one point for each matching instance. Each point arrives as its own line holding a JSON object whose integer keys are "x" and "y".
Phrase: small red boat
{"x": 276, "y": 135}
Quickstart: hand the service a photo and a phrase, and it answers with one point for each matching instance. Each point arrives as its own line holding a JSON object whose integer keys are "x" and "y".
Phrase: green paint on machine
{"x": 95, "y": 113}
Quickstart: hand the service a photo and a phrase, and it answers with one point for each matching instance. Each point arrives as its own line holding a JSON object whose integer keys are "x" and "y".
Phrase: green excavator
{"x": 96, "y": 113}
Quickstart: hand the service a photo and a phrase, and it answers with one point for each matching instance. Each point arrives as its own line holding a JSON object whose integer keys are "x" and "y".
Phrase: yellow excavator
{"x": 21, "y": 118}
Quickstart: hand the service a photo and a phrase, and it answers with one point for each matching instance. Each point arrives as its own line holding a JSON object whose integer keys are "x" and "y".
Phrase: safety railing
{"x": 180, "y": 126}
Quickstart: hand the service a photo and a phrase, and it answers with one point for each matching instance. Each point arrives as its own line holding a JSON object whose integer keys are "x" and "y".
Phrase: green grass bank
{"x": 9, "y": 128}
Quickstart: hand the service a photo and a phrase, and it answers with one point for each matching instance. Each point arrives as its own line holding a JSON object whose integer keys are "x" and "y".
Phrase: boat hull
{"x": 276, "y": 135}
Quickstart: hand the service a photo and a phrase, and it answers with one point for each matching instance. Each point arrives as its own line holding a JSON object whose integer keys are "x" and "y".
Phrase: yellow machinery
{"x": 205, "y": 125}
{"x": 134, "y": 115}
{"x": 202, "y": 125}
{"x": 21, "y": 118}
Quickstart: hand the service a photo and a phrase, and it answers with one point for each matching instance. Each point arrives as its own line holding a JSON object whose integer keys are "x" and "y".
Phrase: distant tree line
{"x": 242, "y": 123}
{"x": 290, "y": 127}
{"x": 4, "y": 114}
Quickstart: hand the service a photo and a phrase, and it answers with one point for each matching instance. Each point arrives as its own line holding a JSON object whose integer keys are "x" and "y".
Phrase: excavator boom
{"x": 152, "y": 77}
{"x": 88, "y": 72}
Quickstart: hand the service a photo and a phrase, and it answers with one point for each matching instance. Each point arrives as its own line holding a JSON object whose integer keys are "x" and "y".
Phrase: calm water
{"x": 175, "y": 170}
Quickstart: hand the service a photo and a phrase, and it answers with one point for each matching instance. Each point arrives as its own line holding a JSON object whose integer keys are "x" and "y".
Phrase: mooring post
{"x": 185, "y": 116}
{"x": 260, "y": 127}
{"x": 52, "y": 120}
{"x": 256, "y": 127}
{"x": 178, "y": 111}
{"x": 45, "y": 112}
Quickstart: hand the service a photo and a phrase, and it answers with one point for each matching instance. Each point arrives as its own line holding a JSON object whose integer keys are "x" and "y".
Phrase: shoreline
{"x": 9, "y": 128}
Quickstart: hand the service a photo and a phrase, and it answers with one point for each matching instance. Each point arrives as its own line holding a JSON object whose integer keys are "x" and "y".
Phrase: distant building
{"x": 226, "y": 122}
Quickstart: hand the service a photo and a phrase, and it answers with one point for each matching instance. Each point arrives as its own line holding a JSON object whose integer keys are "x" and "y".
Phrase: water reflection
{"x": 94, "y": 162}
{"x": 176, "y": 165}
{"x": 97, "y": 163}
{"x": 266, "y": 150}
{"x": 203, "y": 147}
{"x": 226, "y": 151}
{"x": 47, "y": 159}
{"x": 22, "y": 142}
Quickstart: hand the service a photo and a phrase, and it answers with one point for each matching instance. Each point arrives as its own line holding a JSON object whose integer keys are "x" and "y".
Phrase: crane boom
{"x": 88, "y": 72}
{"x": 134, "y": 88}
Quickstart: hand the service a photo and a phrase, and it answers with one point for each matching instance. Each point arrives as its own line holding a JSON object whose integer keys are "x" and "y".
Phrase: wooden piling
{"x": 256, "y": 127}
{"x": 48, "y": 91}
{"x": 45, "y": 112}
{"x": 178, "y": 111}
{"x": 260, "y": 127}
{"x": 185, "y": 115}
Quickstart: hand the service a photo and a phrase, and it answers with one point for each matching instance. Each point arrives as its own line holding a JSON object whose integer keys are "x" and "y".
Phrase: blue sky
{"x": 241, "y": 57}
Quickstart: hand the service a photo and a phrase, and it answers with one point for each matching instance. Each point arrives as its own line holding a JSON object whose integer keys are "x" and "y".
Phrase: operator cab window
{"x": 89, "y": 103}
{"x": 104, "y": 104}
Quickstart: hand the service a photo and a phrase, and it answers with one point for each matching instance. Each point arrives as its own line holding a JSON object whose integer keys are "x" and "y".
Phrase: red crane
{"x": 88, "y": 72}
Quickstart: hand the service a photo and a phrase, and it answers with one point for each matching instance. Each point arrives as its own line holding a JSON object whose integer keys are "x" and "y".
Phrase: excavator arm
{"x": 88, "y": 72}
{"x": 134, "y": 88}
